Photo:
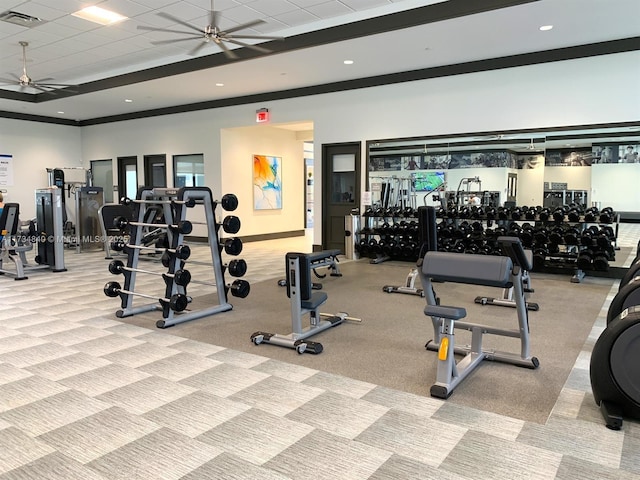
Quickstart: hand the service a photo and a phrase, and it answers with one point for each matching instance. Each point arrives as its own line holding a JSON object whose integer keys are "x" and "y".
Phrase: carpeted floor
{"x": 387, "y": 348}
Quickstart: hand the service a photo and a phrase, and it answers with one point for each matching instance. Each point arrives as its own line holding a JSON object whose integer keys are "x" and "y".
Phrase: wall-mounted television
{"x": 428, "y": 181}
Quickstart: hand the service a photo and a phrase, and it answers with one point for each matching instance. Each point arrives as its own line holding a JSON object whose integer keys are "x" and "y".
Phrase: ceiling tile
{"x": 358, "y": 5}
{"x": 271, "y": 8}
{"x": 297, "y": 17}
{"x": 330, "y": 9}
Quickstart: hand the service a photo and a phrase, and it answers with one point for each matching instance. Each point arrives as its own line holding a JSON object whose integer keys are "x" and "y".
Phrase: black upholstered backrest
{"x": 306, "y": 284}
{"x": 10, "y": 218}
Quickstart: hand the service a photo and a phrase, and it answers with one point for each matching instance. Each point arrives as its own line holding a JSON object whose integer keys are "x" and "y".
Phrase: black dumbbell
{"x": 574, "y": 214}
{"x": 606, "y": 215}
{"x": 585, "y": 259}
{"x": 237, "y": 267}
{"x": 558, "y": 214}
{"x": 178, "y": 302}
{"x": 516, "y": 213}
{"x": 183, "y": 226}
{"x": 572, "y": 236}
{"x": 556, "y": 235}
{"x": 231, "y": 224}
{"x": 232, "y": 246}
{"x": 544, "y": 214}
{"x": 591, "y": 214}
{"x": 229, "y": 202}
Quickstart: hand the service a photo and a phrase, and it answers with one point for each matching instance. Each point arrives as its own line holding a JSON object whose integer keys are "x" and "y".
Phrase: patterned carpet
{"x": 85, "y": 396}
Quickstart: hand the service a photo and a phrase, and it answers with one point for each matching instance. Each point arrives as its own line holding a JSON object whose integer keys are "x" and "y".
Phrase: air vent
{"x": 21, "y": 19}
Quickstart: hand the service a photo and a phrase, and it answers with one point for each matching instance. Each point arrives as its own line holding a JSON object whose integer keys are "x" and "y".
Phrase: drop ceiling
{"x": 386, "y": 39}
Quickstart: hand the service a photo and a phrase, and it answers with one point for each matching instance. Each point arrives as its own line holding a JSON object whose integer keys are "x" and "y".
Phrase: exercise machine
{"x": 303, "y": 301}
{"x": 15, "y": 241}
{"x": 507, "y": 299}
{"x": 474, "y": 269}
{"x": 615, "y": 369}
{"x": 50, "y": 228}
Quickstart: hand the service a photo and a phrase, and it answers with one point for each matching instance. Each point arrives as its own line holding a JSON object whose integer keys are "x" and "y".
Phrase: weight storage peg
{"x": 178, "y": 302}
{"x": 239, "y": 288}
{"x": 181, "y": 251}
{"x": 183, "y": 226}
{"x": 187, "y": 203}
{"x": 117, "y": 267}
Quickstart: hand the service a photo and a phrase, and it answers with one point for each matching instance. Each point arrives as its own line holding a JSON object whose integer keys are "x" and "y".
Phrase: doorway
{"x": 102, "y": 174}
{"x": 340, "y": 192}
{"x": 127, "y": 177}
{"x": 155, "y": 170}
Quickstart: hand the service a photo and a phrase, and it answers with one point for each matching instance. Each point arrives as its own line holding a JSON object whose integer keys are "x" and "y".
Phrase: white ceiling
{"x": 75, "y": 51}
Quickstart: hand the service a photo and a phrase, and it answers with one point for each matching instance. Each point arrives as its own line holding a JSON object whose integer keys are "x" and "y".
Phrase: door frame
{"x": 329, "y": 149}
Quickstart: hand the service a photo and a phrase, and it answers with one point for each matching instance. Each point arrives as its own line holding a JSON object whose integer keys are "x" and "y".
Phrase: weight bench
{"x": 324, "y": 258}
{"x": 507, "y": 300}
{"x": 488, "y": 270}
{"x": 303, "y": 300}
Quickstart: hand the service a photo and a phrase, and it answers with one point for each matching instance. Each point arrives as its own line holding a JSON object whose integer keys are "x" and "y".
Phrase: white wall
{"x": 238, "y": 145}
{"x": 576, "y": 178}
{"x": 531, "y": 184}
{"x": 576, "y": 92}
{"x": 36, "y": 147}
{"x": 616, "y": 186}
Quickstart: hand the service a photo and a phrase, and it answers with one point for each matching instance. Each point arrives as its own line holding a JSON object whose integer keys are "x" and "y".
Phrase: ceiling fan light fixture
{"x": 99, "y": 15}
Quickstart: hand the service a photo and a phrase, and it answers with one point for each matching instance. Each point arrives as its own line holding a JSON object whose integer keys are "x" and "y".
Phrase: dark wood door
{"x": 340, "y": 190}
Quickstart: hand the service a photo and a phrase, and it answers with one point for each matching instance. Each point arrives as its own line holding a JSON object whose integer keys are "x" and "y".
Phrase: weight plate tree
{"x": 615, "y": 369}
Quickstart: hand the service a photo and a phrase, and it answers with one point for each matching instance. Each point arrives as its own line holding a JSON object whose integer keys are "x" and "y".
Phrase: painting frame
{"x": 267, "y": 182}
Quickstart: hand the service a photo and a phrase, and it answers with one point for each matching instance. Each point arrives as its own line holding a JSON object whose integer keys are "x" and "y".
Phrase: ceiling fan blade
{"x": 181, "y": 22}
{"x": 174, "y": 40}
{"x": 252, "y": 47}
{"x": 39, "y": 87}
{"x": 243, "y": 26}
{"x": 16, "y": 77}
{"x": 228, "y": 53}
{"x": 41, "y": 80}
{"x": 153, "y": 29}
{"x": 197, "y": 48}
{"x": 258, "y": 37}
{"x": 8, "y": 81}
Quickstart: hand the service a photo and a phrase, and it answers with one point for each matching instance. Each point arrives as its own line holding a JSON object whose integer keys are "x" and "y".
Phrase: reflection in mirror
{"x": 588, "y": 165}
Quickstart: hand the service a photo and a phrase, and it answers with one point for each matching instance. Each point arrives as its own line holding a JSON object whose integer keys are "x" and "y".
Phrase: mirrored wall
{"x": 588, "y": 165}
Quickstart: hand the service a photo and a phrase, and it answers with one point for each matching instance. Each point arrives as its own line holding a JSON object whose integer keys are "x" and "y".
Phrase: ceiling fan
{"x": 212, "y": 33}
{"x": 25, "y": 80}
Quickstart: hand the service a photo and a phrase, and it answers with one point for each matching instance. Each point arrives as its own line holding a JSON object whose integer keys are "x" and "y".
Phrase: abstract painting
{"x": 267, "y": 182}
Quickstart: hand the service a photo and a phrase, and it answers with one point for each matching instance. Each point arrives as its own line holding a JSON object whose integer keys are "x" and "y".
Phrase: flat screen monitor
{"x": 428, "y": 181}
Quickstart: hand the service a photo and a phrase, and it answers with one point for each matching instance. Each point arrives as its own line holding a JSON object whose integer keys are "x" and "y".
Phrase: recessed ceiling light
{"x": 348, "y": 62}
{"x": 99, "y": 15}
{"x": 60, "y": 112}
{"x": 545, "y": 28}
{"x": 128, "y": 100}
{"x": 219, "y": 84}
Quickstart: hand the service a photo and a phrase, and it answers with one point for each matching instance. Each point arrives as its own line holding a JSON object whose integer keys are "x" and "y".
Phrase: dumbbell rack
{"x": 388, "y": 234}
{"x": 173, "y": 202}
{"x": 456, "y": 234}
